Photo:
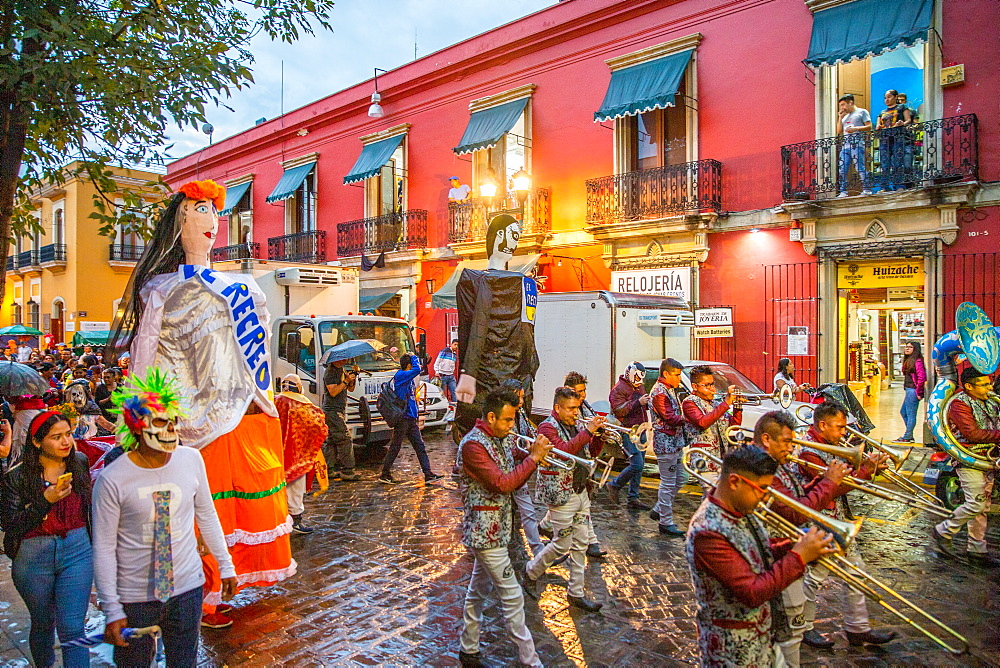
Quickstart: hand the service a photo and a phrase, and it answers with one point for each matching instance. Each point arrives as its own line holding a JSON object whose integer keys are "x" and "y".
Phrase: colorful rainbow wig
{"x": 136, "y": 400}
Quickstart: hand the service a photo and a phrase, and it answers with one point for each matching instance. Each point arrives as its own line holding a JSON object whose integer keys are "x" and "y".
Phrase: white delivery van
{"x": 318, "y": 303}
{"x": 598, "y": 334}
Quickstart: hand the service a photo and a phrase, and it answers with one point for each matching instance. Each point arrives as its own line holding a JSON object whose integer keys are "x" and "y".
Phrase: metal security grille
{"x": 791, "y": 300}
{"x": 721, "y": 349}
{"x": 968, "y": 277}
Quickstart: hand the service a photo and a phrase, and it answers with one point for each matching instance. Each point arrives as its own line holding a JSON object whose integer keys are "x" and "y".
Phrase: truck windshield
{"x": 390, "y": 340}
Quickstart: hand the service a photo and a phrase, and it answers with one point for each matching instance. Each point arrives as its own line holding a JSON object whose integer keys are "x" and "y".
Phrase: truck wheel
{"x": 366, "y": 421}
{"x": 949, "y": 490}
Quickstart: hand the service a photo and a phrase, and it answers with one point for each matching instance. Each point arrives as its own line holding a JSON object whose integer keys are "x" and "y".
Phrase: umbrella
{"x": 347, "y": 350}
{"x": 20, "y": 330}
{"x": 18, "y": 380}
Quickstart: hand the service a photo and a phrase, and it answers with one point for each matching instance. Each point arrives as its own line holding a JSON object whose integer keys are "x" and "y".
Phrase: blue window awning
{"x": 445, "y": 297}
{"x": 290, "y": 182}
{"x": 486, "y": 127}
{"x": 865, "y": 28}
{"x": 233, "y": 197}
{"x": 373, "y": 157}
{"x": 371, "y": 299}
{"x": 644, "y": 87}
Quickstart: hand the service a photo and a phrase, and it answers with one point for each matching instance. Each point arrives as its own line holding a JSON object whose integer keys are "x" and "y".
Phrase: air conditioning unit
{"x": 677, "y": 319}
{"x": 317, "y": 277}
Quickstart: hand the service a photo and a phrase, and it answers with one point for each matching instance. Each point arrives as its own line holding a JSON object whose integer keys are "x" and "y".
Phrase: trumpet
{"x": 844, "y": 533}
{"x": 561, "y": 459}
{"x": 783, "y": 397}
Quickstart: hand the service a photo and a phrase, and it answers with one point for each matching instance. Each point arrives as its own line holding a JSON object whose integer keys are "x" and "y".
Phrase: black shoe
{"x": 614, "y": 493}
{"x": 432, "y": 477}
{"x": 982, "y": 560}
{"x": 943, "y": 543}
{"x": 585, "y": 603}
{"x": 530, "y": 586}
{"x": 561, "y": 559}
{"x": 636, "y": 504}
{"x": 300, "y": 528}
{"x": 653, "y": 515}
{"x": 470, "y": 660}
{"x": 870, "y": 637}
{"x": 386, "y": 478}
{"x": 671, "y": 530}
{"x": 545, "y": 531}
{"x": 594, "y": 551}
{"x": 814, "y": 638}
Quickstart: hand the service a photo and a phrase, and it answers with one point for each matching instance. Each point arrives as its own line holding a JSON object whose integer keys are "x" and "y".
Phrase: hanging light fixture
{"x": 375, "y": 110}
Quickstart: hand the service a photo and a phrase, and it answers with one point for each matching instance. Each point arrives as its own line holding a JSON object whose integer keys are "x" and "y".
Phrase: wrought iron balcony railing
{"x": 245, "y": 251}
{"x": 28, "y": 258}
{"x": 306, "y": 247}
{"x": 125, "y": 252}
{"x": 655, "y": 193}
{"x": 934, "y": 152}
{"x": 468, "y": 219}
{"x": 389, "y": 232}
{"x": 52, "y": 253}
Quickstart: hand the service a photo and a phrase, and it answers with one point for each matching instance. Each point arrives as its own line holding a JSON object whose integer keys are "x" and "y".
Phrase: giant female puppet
{"x": 496, "y": 325}
{"x": 210, "y": 331}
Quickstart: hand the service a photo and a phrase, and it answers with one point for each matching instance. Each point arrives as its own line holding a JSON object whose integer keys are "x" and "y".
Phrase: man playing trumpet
{"x": 565, "y": 492}
{"x": 828, "y": 428}
{"x": 489, "y": 474}
{"x": 737, "y": 570}
{"x": 706, "y": 416}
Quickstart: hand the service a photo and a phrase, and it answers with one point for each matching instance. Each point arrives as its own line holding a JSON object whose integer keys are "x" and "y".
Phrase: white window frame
{"x": 481, "y": 159}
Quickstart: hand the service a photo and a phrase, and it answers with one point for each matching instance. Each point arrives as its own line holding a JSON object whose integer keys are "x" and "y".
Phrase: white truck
{"x": 318, "y": 304}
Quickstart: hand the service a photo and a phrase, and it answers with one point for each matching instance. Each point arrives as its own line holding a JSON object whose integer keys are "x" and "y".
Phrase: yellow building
{"x": 69, "y": 278}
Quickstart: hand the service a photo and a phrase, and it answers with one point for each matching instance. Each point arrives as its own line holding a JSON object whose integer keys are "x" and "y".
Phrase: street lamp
{"x": 429, "y": 282}
{"x": 488, "y": 191}
{"x": 522, "y": 186}
{"x": 375, "y": 110}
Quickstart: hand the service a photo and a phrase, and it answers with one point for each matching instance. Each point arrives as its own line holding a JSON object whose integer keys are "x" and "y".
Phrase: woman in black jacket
{"x": 45, "y": 512}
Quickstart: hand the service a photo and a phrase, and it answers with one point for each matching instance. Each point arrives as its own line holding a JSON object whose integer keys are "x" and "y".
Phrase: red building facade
{"x": 713, "y": 161}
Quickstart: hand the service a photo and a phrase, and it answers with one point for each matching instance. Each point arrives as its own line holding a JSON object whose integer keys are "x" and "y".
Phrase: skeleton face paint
{"x": 290, "y": 386}
{"x": 160, "y": 432}
{"x": 77, "y": 395}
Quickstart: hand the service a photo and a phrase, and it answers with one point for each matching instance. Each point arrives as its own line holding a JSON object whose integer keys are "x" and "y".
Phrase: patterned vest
{"x": 790, "y": 481}
{"x": 663, "y": 443}
{"x": 986, "y": 415}
{"x": 749, "y": 644}
{"x": 841, "y": 506}
{"x": 714, "y": 438}
{"x": 487, "y": 517}
{"x": 555, "y": 485}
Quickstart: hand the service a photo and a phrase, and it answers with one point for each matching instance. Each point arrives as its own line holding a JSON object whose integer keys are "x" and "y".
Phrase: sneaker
{"x": 333, "y": 476}
{"x": 902, "y": 439}
{"x": 636, "y": 504}
{"x": 387, "y": 479}
{"x": 348, "y": 476}
{"x": 300, "y": 528}
{"x": 841, "y": 195}
{"x": 216, "y": 620}
{"x": 671, "y": 530}
{"x": 866, "y": 191}
{"x": 224, "y": 608}
{"x": 432, "y": 477}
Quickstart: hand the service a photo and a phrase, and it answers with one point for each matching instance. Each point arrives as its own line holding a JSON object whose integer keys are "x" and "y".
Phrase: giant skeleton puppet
{"x": 496, "y": 325}
{"x": 209, "y": 330}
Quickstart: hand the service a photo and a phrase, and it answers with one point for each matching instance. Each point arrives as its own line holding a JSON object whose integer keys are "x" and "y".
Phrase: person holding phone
{"x": 45, "y": 512}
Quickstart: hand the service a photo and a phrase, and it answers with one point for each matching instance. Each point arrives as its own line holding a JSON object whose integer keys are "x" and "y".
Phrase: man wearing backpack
{"x": 404, "y": 385}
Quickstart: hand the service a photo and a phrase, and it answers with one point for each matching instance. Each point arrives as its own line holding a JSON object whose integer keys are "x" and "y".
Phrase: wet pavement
{"x": 382, "y": 582}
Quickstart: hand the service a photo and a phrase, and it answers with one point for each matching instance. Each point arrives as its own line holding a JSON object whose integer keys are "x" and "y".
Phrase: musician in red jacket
{"x": 706, "y": 416}
{"x": 829, "y": 427}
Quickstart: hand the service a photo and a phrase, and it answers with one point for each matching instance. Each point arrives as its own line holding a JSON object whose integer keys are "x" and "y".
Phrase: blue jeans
{"x": 852, "y": 151}
{"x": 909, "y": 412}
{"x": 180, "y": 621}
{"x": 631, "y": 474}
{"x": 54, "y": 577}
{"x": 448, "y": 387}
{"x": 408, "y": 427}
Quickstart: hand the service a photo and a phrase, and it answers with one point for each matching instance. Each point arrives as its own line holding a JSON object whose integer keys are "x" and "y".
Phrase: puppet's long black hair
{"x": 163, "y": 255}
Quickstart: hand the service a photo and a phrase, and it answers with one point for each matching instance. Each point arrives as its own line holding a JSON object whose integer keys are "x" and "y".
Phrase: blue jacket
{"x": 405, "y": 388}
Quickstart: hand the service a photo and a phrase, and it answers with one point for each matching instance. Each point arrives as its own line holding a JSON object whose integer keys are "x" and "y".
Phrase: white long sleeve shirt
{"x": 444, "y": 365}
{"x": 123, "y": 528}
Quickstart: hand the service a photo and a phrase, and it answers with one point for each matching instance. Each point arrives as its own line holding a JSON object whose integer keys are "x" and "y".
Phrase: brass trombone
{"x": 561, "y": 459}
{"x": 844, "y": 533}
{"x": 898, "y": 457}
{"x": 853, "y": 455}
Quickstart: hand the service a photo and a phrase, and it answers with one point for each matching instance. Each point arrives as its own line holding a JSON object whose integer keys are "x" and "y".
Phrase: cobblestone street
{"x": 382, "y": 581}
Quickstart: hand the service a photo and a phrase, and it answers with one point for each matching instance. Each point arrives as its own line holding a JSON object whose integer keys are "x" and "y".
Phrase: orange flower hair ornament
{"x": 205, "y": 190}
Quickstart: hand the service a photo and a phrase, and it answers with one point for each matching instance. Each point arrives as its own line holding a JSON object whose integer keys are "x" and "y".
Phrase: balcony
{"x": 651, "y": 194}
{"x": 396, "y": 231}
{"x": 468, "y": 219}
{"x": 27, "y": 259}
{"x": 246, "y": 251}
{"x": 10, "y": 263}
{"x": 52, "y": 254}
{"x": 305, "y": 247}
{"x": 935, "y": 152}
{"x": 125, "y": 252}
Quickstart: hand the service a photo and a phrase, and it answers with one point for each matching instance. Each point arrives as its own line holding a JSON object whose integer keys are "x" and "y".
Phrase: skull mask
{"x": 77, "y": 394}
{"x": 160, "y": 432}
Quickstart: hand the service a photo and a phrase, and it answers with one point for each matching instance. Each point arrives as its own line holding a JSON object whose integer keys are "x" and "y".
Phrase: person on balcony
{"x": 851, "y": 120}
{"x": 894, "y": 142}
{"x": 459, "y": 191}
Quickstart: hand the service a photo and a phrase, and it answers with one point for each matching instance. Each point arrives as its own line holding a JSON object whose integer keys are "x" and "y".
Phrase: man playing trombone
{"x": 774, "y": 433}
{"x": 565, "y": 492}
{"x": 828, "y": 428}
{"x": 489, "y": 474}
{"x": 974, "y": 418}
{"x": 737, "y": 571}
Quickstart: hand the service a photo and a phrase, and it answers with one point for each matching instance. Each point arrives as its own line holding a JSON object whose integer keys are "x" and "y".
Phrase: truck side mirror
{"x": 422, "y": 349}
{"x": 293, "y": 347}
